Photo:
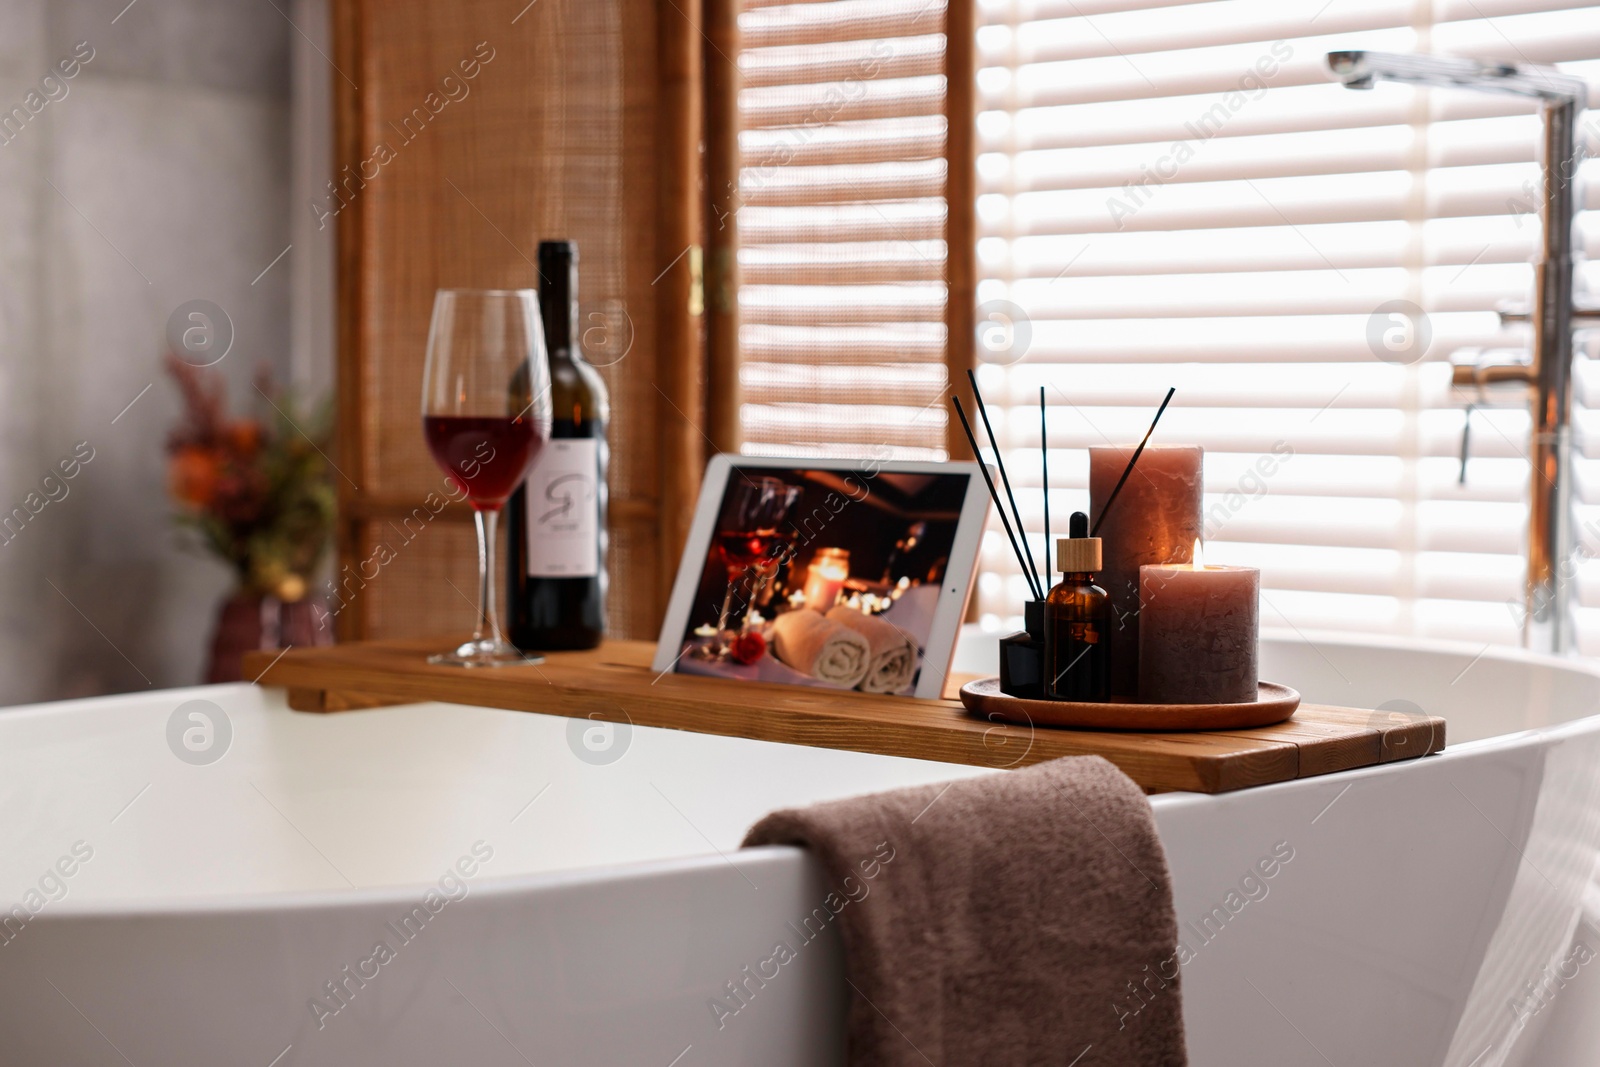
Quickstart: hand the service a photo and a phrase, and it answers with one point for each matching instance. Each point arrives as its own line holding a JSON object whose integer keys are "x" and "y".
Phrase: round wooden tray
{"x": 1274, "y": 703}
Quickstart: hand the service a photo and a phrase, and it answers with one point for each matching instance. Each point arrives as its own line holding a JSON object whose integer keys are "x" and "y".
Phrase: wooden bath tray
{"x": 615, "y": 682}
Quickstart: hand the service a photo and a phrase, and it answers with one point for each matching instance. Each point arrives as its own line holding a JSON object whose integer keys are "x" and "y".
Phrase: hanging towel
{"x": 1022, "y": 918}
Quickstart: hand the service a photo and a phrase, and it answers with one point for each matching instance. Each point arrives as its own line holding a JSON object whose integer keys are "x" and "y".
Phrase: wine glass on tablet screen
{"x": 486, "y": 415}
{"x": 749, "y": 540}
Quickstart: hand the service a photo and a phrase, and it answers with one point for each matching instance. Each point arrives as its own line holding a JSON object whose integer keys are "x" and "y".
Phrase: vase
{"x": 250, "y": 622}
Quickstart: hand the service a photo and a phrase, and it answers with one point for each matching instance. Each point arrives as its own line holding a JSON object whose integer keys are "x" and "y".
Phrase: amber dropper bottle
{"x": 1077, "y": 614}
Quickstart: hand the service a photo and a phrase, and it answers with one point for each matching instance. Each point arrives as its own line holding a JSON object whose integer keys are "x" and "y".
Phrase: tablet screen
{"x": 823, "y": 577}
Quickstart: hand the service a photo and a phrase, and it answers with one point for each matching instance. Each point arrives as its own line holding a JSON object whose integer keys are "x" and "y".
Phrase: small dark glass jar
{"x": 1021, "y": 655}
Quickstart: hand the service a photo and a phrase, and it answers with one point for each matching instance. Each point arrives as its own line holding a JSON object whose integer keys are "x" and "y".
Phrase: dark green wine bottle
{"x": 557, "y": 529}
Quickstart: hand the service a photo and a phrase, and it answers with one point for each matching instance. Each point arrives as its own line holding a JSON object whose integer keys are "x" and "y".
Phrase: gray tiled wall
{"x": 160, "y": 176}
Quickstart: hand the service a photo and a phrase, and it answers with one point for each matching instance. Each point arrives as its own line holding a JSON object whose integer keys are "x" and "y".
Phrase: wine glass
{"x": 486, "y": 415}
{"x": 748, "y": 540}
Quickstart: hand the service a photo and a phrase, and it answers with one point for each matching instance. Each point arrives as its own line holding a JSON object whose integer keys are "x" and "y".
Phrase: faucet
{"x": 1544, "y": 374}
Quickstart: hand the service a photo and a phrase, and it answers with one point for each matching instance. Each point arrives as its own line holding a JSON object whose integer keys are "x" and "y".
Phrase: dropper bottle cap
{"x": 1080, "y": 553}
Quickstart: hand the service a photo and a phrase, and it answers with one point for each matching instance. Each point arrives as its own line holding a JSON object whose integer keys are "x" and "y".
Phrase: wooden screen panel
{"x": 429, "y": 585}
{"x": 450, "y": 180}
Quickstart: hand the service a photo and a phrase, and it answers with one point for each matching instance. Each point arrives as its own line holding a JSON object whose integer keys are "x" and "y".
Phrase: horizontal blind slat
{"x": 1178, "y": 207}
{"x": 901, "y": 141}
{"x": 811, "y": 105}
{"x": 811, "y": 65}
{"x": 839, "y": 20}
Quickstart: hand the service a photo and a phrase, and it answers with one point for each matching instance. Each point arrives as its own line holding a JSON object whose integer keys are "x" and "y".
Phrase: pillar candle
{"x": 1155, "y": 519}
{"x": 1198, "y": 633}
{"x": 825, "y": 577}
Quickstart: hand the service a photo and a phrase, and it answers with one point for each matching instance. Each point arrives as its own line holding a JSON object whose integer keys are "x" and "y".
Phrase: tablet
{"x": 835, "y": 573}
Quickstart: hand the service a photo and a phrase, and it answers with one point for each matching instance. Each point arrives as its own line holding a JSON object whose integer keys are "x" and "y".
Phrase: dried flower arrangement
{"x": 257, "y": 491}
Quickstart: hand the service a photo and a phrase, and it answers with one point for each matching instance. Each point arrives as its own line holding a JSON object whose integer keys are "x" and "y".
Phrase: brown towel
{"x": 1020, "y": 918}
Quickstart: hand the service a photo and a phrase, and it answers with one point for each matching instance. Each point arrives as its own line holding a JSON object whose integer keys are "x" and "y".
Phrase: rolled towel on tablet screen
{"x": 824, "y": 649}
{"x": 892, "y": 661}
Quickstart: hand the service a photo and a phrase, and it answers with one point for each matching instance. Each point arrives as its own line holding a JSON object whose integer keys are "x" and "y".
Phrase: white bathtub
{"x": 186, "y": 912}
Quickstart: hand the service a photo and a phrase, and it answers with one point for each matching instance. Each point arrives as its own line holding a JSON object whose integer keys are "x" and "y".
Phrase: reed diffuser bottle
{"x": 1077, "y": 614}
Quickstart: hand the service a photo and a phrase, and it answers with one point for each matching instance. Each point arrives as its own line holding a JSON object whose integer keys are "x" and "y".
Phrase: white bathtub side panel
{"x": 1400, "y": 878}
{"x": 1566, "y": 1028}
{"x": 1522, "y": 976}
{"x": 616, "y": 970}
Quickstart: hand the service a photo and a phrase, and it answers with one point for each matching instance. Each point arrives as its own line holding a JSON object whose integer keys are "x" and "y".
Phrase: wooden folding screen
{"x": 467, "y": 132}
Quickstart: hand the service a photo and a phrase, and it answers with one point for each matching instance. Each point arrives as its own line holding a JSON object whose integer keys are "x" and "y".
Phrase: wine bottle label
{"x": 564, "y": 510}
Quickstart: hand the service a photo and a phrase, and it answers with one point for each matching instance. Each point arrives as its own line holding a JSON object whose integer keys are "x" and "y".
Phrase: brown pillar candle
{"x": 1198, "y": 633}
{"x": 1155, "y": 519}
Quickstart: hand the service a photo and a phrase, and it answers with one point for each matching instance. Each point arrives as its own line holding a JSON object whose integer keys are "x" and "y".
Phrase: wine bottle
{"x": 558, "y": 517}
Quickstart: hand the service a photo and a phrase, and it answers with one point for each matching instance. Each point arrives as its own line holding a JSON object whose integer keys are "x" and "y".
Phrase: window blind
{"x": 841, "y": 221}
{"x": 1174, "y": 193}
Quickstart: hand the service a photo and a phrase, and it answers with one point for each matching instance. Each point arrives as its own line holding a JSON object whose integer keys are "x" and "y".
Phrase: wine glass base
{"x": 716, "y": 649}
{"x": 486, "y": 653}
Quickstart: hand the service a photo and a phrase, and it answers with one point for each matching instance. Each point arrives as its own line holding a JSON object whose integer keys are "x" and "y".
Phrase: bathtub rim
{"x": 749, "y": 860}
{"x": 1435, "y": 645}
{"x": 236, "y": 903}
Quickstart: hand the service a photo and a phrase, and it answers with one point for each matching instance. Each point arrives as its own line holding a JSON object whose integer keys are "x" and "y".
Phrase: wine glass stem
{"x": 727, "y": 604}
{"x": 488, "y": 616}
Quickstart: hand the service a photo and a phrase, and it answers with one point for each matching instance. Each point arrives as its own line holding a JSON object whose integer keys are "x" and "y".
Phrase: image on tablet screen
{"x": 823, "y": 577}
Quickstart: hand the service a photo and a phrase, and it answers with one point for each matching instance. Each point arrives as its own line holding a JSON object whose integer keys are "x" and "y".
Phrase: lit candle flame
{"x": 1199, "y": 556}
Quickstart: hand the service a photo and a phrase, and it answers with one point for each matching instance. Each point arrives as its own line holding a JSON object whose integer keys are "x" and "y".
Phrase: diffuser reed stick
{"x": 994, "y": 494}
{"x": 1000, "y": 464}
{"x": 1044, "y": 464}
{"x": 1112, "y": 499}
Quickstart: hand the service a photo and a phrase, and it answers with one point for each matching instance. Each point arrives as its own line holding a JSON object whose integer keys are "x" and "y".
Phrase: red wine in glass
{"x": 485, "y": 456}
{"x": 741, "y": 551}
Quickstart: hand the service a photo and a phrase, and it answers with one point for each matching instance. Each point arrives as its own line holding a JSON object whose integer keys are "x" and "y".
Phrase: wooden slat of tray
{"x": 615, "y": 682}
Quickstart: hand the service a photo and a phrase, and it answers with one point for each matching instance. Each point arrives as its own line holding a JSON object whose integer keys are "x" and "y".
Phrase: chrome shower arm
{"x": 1360, "y": 69}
